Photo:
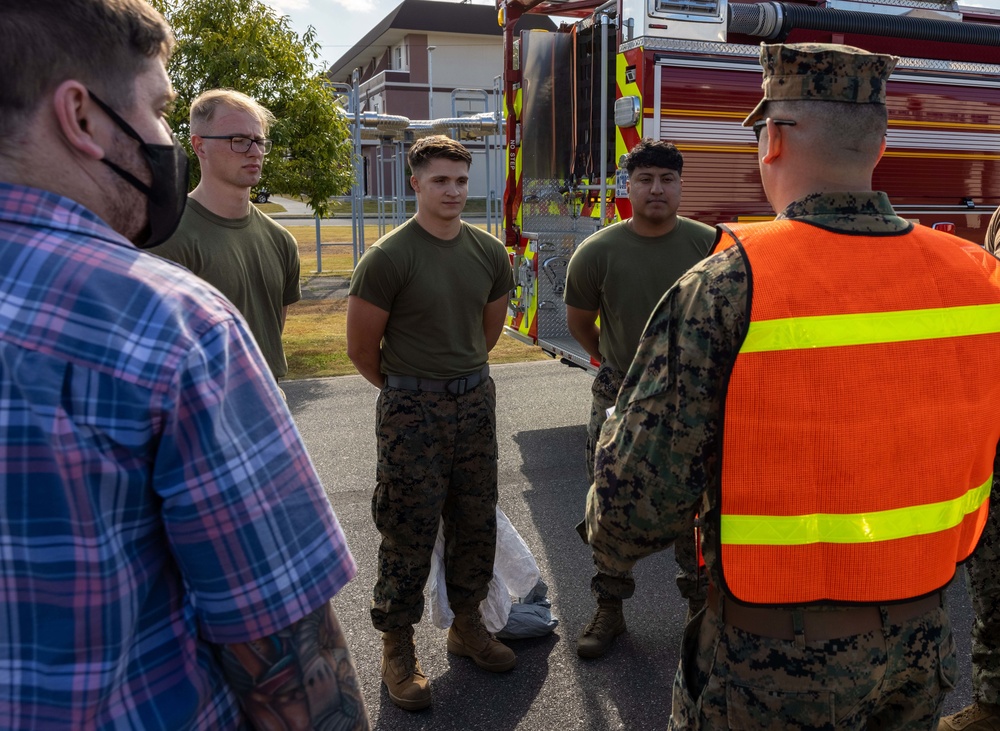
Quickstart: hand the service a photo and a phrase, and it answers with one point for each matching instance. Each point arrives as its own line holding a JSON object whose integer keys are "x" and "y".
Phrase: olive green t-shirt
{"x": 623, "y": 276}
{"x": 434, "y": 291}
{"x": 252, "y": 260}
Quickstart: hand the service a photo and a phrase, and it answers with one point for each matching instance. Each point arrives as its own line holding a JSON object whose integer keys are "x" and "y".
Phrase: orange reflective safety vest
{"x": 862, "y": 414}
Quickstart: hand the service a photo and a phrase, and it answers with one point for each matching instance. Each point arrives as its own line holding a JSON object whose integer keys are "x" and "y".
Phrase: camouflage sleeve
{"x": 659, "y": 452}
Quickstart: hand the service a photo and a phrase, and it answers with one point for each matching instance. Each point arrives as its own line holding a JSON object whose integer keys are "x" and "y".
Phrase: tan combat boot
{"x": 977, "y": 717}
{"x": 401, "y": 673}
{"x": 469, "y": 638}
{"x": 608, "y": 623}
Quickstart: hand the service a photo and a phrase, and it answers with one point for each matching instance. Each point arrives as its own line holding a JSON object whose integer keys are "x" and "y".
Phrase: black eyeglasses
{"x": 762, "y": 123}
{"x": 242, "y": 144}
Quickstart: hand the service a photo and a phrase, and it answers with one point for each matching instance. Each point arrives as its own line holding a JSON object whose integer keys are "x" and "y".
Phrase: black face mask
{"x": 167, "y": 195}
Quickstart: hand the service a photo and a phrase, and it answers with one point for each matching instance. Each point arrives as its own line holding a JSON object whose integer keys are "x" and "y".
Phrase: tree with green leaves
{"x": 244, "y": 45}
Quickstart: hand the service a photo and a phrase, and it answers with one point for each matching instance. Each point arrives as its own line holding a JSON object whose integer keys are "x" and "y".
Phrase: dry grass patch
{"x": 509, "y": 350}
{"x": 315, "y": 335}
{"x": 315, "y": 339}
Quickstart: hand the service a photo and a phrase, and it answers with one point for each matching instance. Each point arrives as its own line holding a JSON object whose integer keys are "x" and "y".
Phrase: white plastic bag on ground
{"x": 514, "y": 565}
{"x": 515, "y": 574}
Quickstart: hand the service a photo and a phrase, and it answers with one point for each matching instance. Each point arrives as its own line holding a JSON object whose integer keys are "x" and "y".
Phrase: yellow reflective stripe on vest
{"x": 885, "y": 525}
{"x": 827, "y": 331}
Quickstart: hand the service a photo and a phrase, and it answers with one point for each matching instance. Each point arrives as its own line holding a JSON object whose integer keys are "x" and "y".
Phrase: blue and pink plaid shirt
{"x": 156, "y": 495}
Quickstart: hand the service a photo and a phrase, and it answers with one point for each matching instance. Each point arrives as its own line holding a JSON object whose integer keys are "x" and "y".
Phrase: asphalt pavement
{"x": 542, "y": 410}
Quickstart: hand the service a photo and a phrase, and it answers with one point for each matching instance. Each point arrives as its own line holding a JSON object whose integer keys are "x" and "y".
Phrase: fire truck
{"x": 687, "y": 71}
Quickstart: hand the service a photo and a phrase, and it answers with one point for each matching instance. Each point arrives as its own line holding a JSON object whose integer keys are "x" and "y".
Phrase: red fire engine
{"x": 686, "y": 71}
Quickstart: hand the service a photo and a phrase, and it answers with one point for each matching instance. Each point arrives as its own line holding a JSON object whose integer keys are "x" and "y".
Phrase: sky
{"x": 340, "y": 24}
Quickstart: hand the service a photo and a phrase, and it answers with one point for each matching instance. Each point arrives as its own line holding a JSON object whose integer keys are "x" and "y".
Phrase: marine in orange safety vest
{"x": 815, "y": 391}
{"x": 823, "y": 496}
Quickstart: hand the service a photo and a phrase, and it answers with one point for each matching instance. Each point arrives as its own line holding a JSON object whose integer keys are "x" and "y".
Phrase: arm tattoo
{"x": 299, "y": 678}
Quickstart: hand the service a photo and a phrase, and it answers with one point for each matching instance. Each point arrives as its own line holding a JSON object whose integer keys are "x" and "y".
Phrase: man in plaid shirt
{"x": 168, "y": 553}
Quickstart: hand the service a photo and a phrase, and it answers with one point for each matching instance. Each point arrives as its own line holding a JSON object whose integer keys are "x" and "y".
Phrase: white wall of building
{"x": 463, "y": 61}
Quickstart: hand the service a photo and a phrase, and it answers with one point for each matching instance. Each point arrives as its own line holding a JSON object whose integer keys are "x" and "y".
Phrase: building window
{"x": 400, "y": 62}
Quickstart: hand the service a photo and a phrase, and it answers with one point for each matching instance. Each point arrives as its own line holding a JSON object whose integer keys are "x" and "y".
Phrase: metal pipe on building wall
{"x": 384, "y": 121}
{"x": 377, "y": 126}
{"x": 430, "y": 80}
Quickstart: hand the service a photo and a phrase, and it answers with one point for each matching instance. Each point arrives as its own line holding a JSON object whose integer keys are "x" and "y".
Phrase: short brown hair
{"x": 205, "y": 104}
{"x": 436, "y": 146}
{"x": 104, "y": 44}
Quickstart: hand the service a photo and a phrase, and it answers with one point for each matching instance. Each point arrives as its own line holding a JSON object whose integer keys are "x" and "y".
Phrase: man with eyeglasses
{"x": 222, "y": 237}
{"x": 815, "y": 390}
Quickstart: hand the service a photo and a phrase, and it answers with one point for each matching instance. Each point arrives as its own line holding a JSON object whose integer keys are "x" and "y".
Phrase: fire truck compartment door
{"x": 548, "y": 106}
{"x": 550, "y": 204}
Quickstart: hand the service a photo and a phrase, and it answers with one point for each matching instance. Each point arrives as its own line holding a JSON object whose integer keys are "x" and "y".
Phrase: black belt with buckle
{"x": 454, "y": 386}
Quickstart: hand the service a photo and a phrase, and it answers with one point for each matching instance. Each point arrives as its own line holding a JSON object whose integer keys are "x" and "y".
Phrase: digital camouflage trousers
{"x": 984, "y": 590}
{"x": 692, "y": 584}
{"x": 437, "y": 460}
{"x": 895, "y": 678}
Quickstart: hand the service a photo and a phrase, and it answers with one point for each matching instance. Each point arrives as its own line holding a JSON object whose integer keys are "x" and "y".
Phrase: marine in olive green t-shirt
{"x": 623, "y": 276}
{"x": 252, "y": 260}
{"x": 434, "y": 291}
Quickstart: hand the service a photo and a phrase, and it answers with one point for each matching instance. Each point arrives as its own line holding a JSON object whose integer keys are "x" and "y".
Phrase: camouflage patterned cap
{"x": 821, "y": 72}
